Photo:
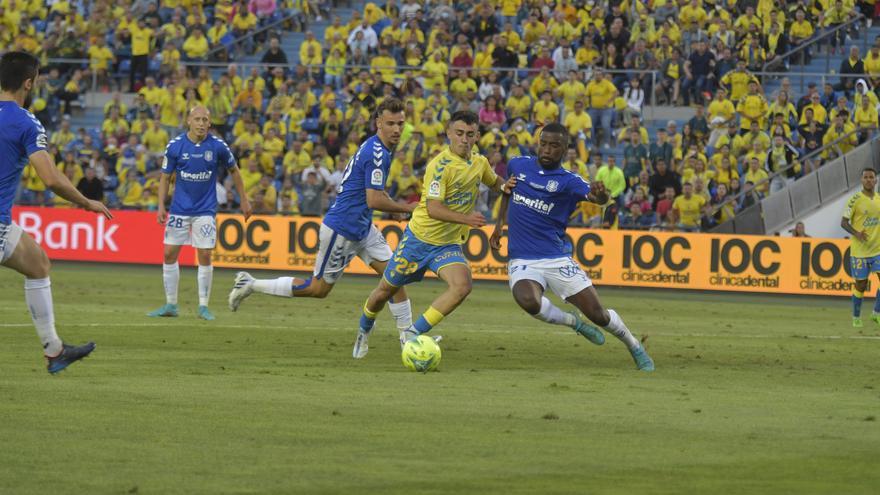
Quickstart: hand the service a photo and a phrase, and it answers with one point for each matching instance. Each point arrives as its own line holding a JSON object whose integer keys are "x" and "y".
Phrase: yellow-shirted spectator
{"x": 745, "y": 22}
{"x": 170, "y": 59}
{"x": 865, "y": 118}
{"x": 264, "y": 160}
{"x": 513, "y": 39}
{"x": 115, "y": 125}
{"x": 435, "y": 72}
{"x": 63, "y": 136}
{"x": 688, "y": 207}
{"x": 250, "y": 173}
{"x": 725, "y": 173}
{"x": 757, "y": 176}
{"x": 273, "y": 144}
{"x": 141, "y": 39}
{"x": 533, "y": 30}
{"x": 752, "y": 108}
{"x": 337, "y": 27}
{"x": 100, "y": 56}
{"x": 250, "y": 97}
{"x": 600, "y": 92}
{"x": 462, "y": 84}
{"x": 721, "y": 110}
{"x": 385, "y": 65}
{"x": 244, "y": 21}
{"x": 129, "y": 190}
{"x": 275, "y": 122}
{"x": 692, "y": 16}
{"x": 431, "y": 130}
{"x": 329, "y": 109}
{"x": 152, "y": 93}
{"x": 586, "y": 54}
{"x": 217, "y": 31}
{"x": 248, "y": 140}
{"x": 737, "y": 81}
{"x": 518, "y": 104}
{"x": 297, "y": 159}
{"x": 196, "y": 45}
{"x": 815, "y": 107}
{"x": 544, "y": 81}
{"x": 578, "y": 121}
{"x": 571, "y": 90}
{"x": 560, "y": 29}
{"x": 155, "y": 138}
{"x": 545, "y": 110}
{"x": 172, "y": 108}
{"x": 841, "y": 133}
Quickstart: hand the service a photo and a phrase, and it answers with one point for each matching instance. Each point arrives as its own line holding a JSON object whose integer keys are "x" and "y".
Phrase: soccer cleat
{"x": 361, "y": 345}
{"x": 406, "y": 335}
{"x": 205, "y": 313}
{"x": 168, "y": 310}
{"x": 642, "y": 359}
{"x": 243, "y": 287}
{"x": 69, "y": 354}
{"x": 876, "y": 318}
{"x": 589, "y": 332}
{"x": 857, "y": 322}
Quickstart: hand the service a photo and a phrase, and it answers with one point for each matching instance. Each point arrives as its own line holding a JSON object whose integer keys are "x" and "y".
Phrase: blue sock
{"x": 857, "y": 303}
{"x": 421, "y": 325}
{"x": 368, "y": 319}
{"x": 877, "y": 302}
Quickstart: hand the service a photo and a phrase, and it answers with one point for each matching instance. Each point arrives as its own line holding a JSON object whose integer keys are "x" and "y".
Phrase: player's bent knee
{"x": 321, "y": 289}
{"x": 461, "y": 290}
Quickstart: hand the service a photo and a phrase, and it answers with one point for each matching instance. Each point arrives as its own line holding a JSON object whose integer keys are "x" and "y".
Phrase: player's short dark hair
{"x": 869, "y": 169}
{"x": 555, "y": 128}
{"x": 390, "y": 105}
{"x": 16, "y": 68}
{"x": 466, "y": 116}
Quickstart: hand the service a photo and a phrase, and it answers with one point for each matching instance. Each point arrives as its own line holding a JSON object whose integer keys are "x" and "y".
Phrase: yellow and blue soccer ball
{"x": 421, "y": 354}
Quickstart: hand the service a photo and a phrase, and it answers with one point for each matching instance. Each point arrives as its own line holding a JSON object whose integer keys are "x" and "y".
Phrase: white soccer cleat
{"x": 361, "y": 345}
{"x": 243, "y": 287}
{"x": 409, "y": 335}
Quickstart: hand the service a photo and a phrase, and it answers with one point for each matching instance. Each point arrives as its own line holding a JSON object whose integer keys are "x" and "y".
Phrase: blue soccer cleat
{"x": 589, "y": 332}
{"x": 168, "y": 310}
{"x": 69, "y": 355}
{"x": 205, "y": 313}
{"x": 642, "y": 359}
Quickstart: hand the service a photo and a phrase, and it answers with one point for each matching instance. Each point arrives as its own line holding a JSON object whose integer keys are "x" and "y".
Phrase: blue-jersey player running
{"x": 23, "y": 140}
{"x": 196, "y": 158}
{"x": 539, "y": 208}
{"x": 347, "y": 230}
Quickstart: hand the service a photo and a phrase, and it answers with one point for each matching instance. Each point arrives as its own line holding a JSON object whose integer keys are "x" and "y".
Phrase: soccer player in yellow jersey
{"x": 861, "y": 219}
{"x": 440, "y": 225}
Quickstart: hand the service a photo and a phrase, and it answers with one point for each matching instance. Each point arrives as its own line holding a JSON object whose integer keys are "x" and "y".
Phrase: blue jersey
{"x": 195, "y": 193}
{"x": 368, "y": 169}
{"x": 540, "y": 206}
{"x": 21, "y": 135}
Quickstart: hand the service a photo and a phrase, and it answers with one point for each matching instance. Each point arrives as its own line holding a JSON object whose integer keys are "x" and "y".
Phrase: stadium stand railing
{"x": 798, "y": 54}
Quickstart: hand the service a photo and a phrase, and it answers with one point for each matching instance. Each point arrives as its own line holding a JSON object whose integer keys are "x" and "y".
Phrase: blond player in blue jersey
{"x": 439, "y": 226}
{"x": 861, "y": 219}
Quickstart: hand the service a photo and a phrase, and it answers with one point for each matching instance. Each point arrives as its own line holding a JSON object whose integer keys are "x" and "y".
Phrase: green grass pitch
{"x": 752, "y": 395}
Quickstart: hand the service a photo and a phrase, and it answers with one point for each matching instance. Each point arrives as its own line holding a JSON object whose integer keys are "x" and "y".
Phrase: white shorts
{"x": 563, "y": 275}
{"x": 199, "y": 232}
{"x": 335, "y": 252}
{"x": 10, "y": 234}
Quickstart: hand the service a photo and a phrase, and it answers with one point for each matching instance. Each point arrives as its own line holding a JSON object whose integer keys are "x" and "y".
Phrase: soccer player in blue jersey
{"x": 196, "y": 158}
{"x": 347, "y": 229}
{"x": 23, "y": 140}
{"x": 539, "y": 208}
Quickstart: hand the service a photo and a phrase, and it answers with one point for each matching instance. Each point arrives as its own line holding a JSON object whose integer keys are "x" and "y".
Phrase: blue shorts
{"x": 863, "y": 267}
{"x": 413, "y": 258}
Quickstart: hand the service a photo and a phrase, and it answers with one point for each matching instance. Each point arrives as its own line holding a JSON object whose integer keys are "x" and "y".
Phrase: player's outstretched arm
{"x": 44, "y": 164}
{"x": 439, "y": 211}
{"x": 239, "y": 186}
{"x": 161, "y": 214}
{"x": 495, "y": 239}
{"x": 380, "y": 200}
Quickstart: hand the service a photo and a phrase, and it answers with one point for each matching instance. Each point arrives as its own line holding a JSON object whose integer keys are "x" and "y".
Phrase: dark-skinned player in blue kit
{"x": 537, "y": 212}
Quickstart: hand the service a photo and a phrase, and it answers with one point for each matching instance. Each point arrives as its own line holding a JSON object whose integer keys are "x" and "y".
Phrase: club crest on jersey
{"x": 377, "y": 179}
{"x": 552, "y": 186}
{"x": 209, "y": 155}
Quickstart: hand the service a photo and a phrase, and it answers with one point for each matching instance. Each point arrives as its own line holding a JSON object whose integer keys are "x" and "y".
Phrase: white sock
{"x": 402, "y": 313}
{"x": 553, "y": 315}
{"x": 206, "y": 276}
{"x": 276, "y": 287}
{"x": 617, "y": 328}
{"x": 171, "y": 277}
{"x": 38, "y": 295}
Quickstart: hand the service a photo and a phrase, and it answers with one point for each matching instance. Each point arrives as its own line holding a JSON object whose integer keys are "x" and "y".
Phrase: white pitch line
{"x": 485, "y": 330}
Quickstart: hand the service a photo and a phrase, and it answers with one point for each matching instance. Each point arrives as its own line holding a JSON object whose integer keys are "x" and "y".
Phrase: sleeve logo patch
{"x": 377, "y": 178}
{"x": 42, "y": 141}
{"x": 434, "y": 188}
{"x": 165, "y": 163}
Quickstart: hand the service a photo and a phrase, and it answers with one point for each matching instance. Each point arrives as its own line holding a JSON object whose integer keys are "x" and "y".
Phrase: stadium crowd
{"x": 518, "y": 64}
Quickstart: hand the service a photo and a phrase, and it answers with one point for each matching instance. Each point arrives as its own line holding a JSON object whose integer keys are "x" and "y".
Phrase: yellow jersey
{"x": 689, "y": 210}
{"x": 456, "y": 182}
{"x": 863, "y": 213}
